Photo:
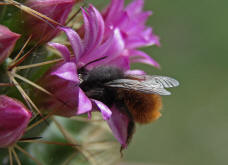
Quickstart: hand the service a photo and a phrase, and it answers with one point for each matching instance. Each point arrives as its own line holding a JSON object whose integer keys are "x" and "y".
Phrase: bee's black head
{"x": 92, "y": 82}
{"x": 100, "y": 75}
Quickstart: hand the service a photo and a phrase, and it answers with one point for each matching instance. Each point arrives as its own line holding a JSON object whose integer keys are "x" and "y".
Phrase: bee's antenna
{"x": 102, "y": 58}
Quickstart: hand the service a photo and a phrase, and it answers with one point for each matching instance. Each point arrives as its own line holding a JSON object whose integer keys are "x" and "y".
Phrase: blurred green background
{"x": 194, "y": 127}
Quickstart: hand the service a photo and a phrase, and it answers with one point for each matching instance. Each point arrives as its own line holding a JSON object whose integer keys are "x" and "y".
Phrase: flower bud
{"x": 14, "y": 118}
{"x": 7, "y": 42}
{"x": 57, "y": 10}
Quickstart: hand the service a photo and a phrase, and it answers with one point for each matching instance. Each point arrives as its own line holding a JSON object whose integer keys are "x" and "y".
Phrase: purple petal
{"x": 97, "y": 53}
{"x": 105, "y": 111}
{"x": 136, "y": 23}
{"x": 75, "y": 41}
{"x": 143, "y": 38}
{"x": 94, "y": 28}
{"x": 150, "y": 37}
{"x": 84, "y": 103}
{"x": 131, "y": 22}
{"x": 117, "y": 46}
{"x": 110, "y": 49}
{"x": 113, "y": 10}
{"x": 14, "y": 119}
{"x": 62, "y": 49}
{"x": 135, "y": 7}
{"x": 67, "y": 71}
{"x": 123, "y": 21}
{"x": 119, "y": 125}
{"x": 7, "y": 42}
{"x": 141, "y": 57}
{"x": 65, "y": 99}
{"x": 121, "y": 61}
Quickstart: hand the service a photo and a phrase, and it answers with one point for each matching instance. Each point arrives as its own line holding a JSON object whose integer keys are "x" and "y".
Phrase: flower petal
{"x": 65, "y": 99}
{"x": 110, "y": 49}
{"x": 135, "y": 7}
{"x": 62, "y": 49}
{"x": 132, "y": 23}
{"x": 121, "y": 61}
{"x": 84, "y": 103}
{"x": 141, "y": 57}
{"x": 75, "y": 41}
{"x": 113, "y": 10}
{"x": 94, "y": 28}
{"x": 67, "y": 71}
{"x": 105, "y": 111}
{"x": 121, "y": 125}
{"x": 144, "y": 38}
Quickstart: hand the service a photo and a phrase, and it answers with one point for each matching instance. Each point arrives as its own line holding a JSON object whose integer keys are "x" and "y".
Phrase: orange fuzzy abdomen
{"x": 145, "y": 108}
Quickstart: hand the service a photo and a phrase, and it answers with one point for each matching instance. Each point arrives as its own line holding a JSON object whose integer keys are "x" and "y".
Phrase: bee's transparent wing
{"x": 166, "y": 82}
{"x": 146, "y": 84}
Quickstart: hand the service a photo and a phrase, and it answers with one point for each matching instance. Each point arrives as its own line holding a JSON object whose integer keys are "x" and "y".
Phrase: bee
{"x": 137, "y": 96}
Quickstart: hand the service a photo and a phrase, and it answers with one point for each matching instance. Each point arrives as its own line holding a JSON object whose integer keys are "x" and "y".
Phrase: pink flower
{"x": 7, "y": 41}
{"x": 131, "y": 23}
{"x": 70, "y": 100}
{"x": 57, "y": 10}
{"x": 14, "y": 119}
{"x": 63, "y": 80}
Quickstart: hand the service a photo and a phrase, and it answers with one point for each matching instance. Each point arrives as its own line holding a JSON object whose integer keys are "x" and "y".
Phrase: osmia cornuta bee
{"x": 137, "y": 96}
